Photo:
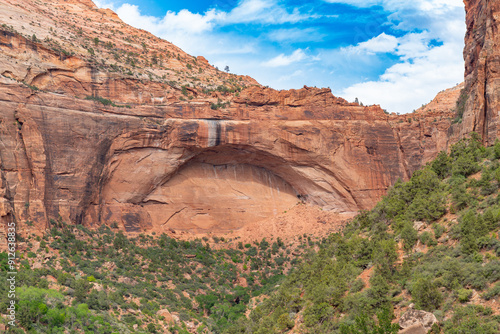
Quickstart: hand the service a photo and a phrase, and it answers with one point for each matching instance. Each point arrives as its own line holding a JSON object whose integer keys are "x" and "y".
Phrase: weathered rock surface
{"x": 413, "y": 317}
{"x": 482, "y": 72}
{"x": 166, "y": 314}
{"x": 414, "y": 329}
{"x": 140, "y": 167}
{"x": 445, "y": 101}
{"x": 116, "y": 131}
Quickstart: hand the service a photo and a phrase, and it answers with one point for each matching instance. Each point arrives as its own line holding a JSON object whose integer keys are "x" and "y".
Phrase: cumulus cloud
{"x": 197, "y": 32}
{"x": 247, "y": 11}
{"x": 283, "y": 60}
{"x": 183, "y": 21}
{"x": 406, "y": 85}
{"x": 381, "y": 43}
{"x": 411, "y": 45}
{"x": 428, "y": 61}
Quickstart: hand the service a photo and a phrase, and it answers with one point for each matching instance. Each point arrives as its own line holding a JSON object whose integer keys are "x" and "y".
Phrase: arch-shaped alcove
{"x": 217, "y": 188}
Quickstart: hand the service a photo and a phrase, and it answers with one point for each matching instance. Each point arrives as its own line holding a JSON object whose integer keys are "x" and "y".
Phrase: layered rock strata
{"x": 112, "y": 131}
{"x": 186, "y": 165}
{"x": 479, "y": 111}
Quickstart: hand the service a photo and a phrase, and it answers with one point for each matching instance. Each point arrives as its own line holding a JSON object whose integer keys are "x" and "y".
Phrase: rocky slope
{"x": 102, "y": 123}
{"x": 445, "y": 101}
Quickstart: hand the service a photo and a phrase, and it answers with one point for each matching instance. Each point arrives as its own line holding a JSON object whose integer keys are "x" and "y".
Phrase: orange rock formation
{"x": 101, "y": 123}
{"x": 481, "y": 95}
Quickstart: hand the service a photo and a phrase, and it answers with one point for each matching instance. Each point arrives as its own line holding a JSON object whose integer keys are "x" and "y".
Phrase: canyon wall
{"x": 479, "y": 111}
{"x": 147, "y": 138}
{"x": 191, "y": 167}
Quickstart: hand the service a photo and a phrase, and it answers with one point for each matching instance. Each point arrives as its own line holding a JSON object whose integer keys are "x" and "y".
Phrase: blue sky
{"x": 396, "y": 53}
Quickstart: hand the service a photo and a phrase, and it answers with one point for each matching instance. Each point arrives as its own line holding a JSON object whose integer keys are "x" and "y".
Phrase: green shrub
{"x": 426, "y": 294}
{"x": 492, "y": 292}
{"x": 442, "y": 165}
{"x": 470, "y": 319}
{"x": 409, "y": 236}
{"x": 317, "y": 314}
{"x": 496, "y": 149}
{"x": 427, "y": 239}
{"x": 363, "y": 324}
{"x": 472, "y": 227}
{"x": 427, "y": 207}
{"x": 357, "y": 285}
{"x": 438, "y": 230}
{"x": 379, "y": 290}
{"x": 460, "y": 198}
{"x": 151, "y": 328}
{"x": 284, "y": 322}
{"x": 465, "y": 155}
{"x": 463, "y": 295}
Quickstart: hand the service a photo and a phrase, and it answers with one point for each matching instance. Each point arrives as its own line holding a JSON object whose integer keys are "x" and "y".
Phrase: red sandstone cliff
{"x": 117, "y": 131}
{"x": 445, "y": 101}
{"x": 482, "y": 72}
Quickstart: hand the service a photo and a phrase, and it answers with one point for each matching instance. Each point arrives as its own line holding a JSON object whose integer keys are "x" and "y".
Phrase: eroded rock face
{"x": 482, "y": 72}
{"x": 445, "y": 101}
{"x": 414, "y": 329}
{"x": 92, "y": 164}
{"x": 206, "y": 197}
{"x": 413, "y": 318}
{"x": 91, "y": 142}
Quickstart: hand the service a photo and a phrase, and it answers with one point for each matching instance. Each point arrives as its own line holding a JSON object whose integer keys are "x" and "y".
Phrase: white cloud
{"x": 192, "y": 32}
{"x": 407, "y": 85}
{"x": 283, "y": 60}
{"x": 248, "y": 11}
{"x": 295, "y": 35}
{"x": 263, "y": 11}
{"x": 427, "y": 36}
{"x": 413, "y": 45}
{"x": 196, "y": 33}
{"x": 433, "y": 5}
{"x": 104, "y": 4}
{"x": 382, "y": 43}
{"x": 183, "y": 21}
{"x": 193, "y": 23}
{"x": 288, "y": 77}
{"x": 429, "y": 61}
{"x": 425, "y": 5}
{"x": 357, "y": 3}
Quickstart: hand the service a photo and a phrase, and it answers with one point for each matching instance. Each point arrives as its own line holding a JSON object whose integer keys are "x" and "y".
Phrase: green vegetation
{"x": 325, "y": 293}
{"x": 106, "y": 102}
{"x": 460, "y": 108}
{"x": 107, "y": 283}
{"x": 219, "y": 104}
{"x": 102, "y": 100}
{"x": 32, "y": 87}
